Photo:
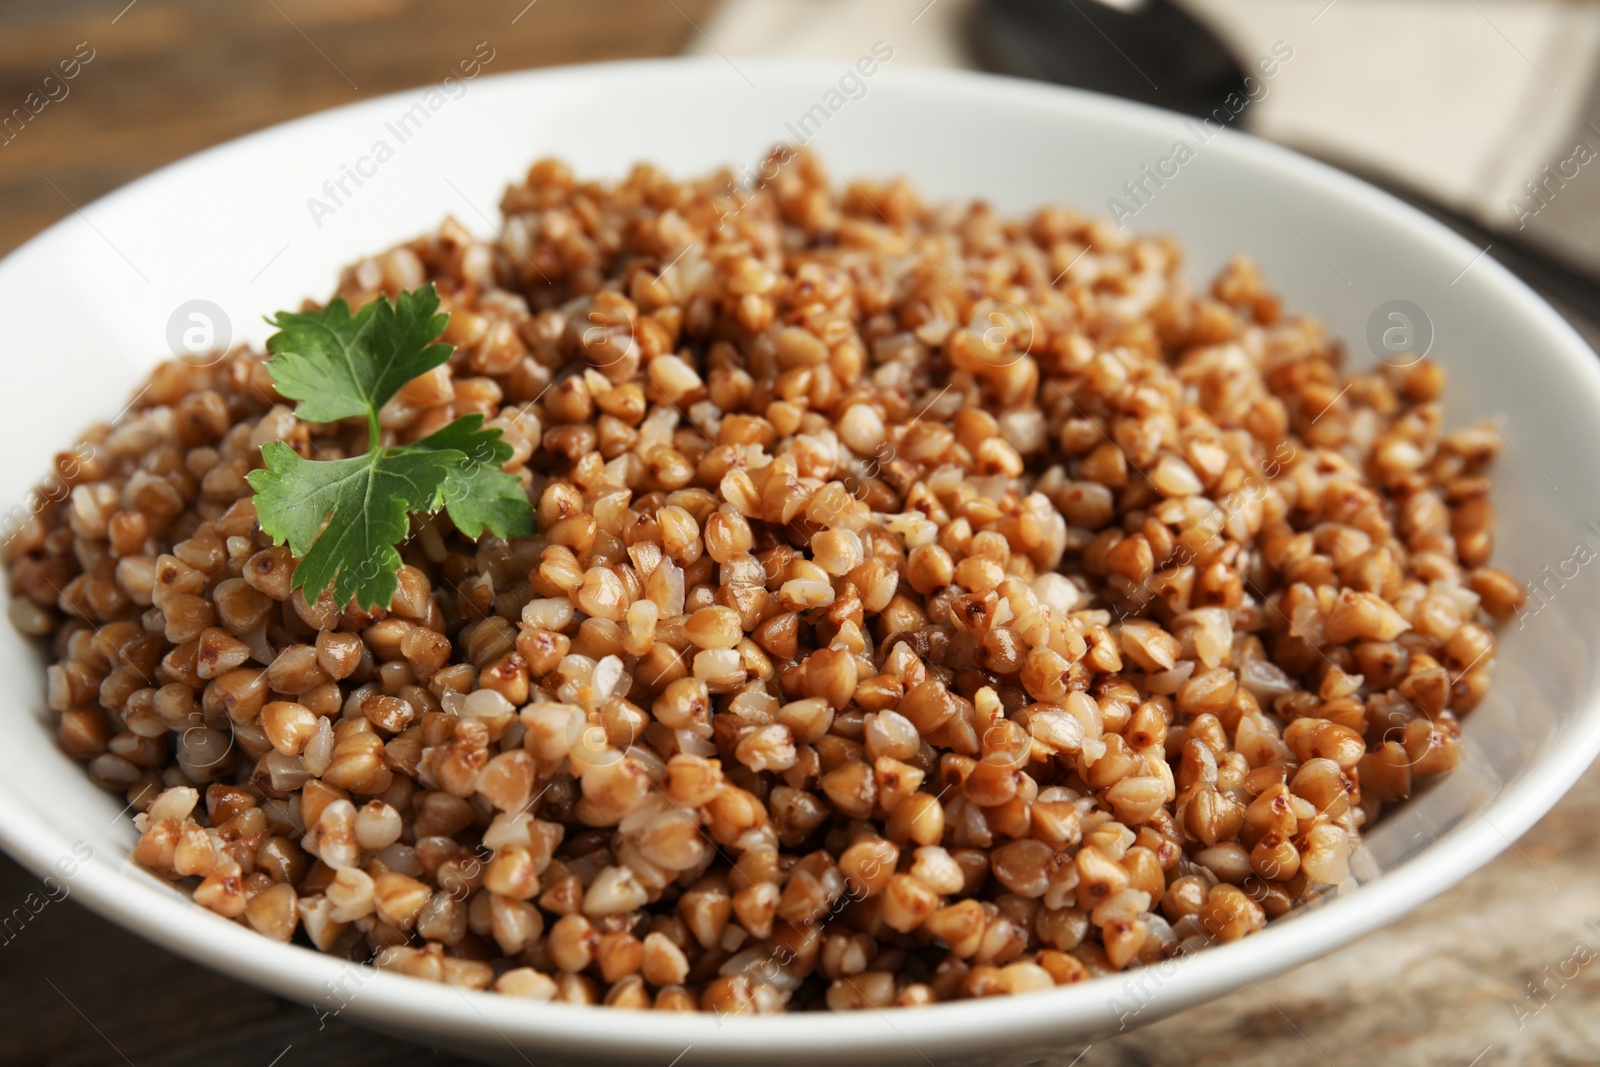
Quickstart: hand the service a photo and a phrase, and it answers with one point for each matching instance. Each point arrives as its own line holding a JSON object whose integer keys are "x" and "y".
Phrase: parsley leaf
{"x": 338, "y": 365}
{"x": 479, "y": 493}
{"x": 365, "y": 502}
{"x": 343, "y": 518}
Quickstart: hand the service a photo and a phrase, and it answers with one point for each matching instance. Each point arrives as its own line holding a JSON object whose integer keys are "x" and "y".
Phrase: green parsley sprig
{"x": 344, "y": 518}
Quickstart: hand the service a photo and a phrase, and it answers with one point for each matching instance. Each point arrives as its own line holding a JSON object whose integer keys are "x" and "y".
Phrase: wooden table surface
{"x": 1452, "y": 984}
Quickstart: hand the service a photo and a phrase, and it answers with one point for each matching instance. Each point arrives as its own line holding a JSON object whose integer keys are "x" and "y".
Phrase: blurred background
{"x": 1482, "y": 112}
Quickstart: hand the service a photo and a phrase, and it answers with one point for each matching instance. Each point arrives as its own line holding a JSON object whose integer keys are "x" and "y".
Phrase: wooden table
{"x": 1448, "y": 985}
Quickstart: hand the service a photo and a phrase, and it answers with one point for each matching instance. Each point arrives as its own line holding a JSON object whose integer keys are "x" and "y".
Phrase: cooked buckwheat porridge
{"x": 920, "y": 604}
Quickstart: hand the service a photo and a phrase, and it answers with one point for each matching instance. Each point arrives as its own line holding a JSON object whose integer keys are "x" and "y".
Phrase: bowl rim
{"x": 143, "y": 905}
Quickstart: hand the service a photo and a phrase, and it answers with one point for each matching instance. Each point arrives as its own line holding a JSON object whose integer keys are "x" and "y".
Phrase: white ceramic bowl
{"x": 87, "y": 306}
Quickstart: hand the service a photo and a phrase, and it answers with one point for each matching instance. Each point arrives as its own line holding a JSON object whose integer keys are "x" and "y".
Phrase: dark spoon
{"x": 1157, "y": 53}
